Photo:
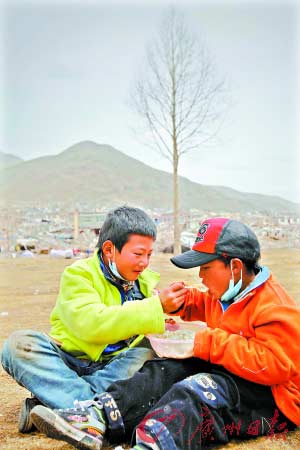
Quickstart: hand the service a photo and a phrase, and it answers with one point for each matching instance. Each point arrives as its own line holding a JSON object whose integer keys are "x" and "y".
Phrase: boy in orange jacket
{"x": 243, "y": 380}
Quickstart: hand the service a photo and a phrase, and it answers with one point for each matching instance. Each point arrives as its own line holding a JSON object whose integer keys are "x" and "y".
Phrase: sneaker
{"x": 143, "y": 447}
{"x": 82, "y": 426}
{"x": 25, "y": 424}
{"x": 136, "y": 447}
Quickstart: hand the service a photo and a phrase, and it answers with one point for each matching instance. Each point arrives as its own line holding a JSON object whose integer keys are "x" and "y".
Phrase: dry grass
{"x": 28, "y": 289}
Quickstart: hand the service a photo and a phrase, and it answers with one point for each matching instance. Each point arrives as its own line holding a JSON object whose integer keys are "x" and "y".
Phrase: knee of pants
{"x": 141, "y": 354}
{"x": 20, "y": 344}
{"x": 134, "y": 359}
{"x": 214, "y": 390}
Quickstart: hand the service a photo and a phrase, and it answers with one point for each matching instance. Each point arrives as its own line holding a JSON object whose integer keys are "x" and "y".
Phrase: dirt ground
{"x": 28, "y": 289}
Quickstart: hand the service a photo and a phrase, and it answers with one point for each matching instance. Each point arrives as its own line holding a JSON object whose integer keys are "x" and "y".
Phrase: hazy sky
{"x": 67, "y": 68}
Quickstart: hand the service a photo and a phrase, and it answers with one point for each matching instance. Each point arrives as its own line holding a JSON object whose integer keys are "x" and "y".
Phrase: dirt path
{"x": 28, "y": 289}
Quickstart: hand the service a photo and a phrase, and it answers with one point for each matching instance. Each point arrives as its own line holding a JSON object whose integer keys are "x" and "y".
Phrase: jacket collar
{"x": 262, "y": 276}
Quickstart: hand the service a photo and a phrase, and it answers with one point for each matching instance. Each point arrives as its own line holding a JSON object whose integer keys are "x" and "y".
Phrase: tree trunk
{"x": 177, "y": 244}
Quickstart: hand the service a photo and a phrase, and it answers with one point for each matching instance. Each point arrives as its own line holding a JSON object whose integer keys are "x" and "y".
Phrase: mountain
{"x": 7, "y": 160}
{"x": 99, "y": 175}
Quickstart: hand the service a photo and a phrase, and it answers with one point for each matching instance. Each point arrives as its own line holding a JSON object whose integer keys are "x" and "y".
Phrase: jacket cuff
{"x": 202, "y": 344}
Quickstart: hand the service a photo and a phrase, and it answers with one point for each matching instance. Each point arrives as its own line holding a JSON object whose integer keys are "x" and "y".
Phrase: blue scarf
{"x": 129, "y": 291}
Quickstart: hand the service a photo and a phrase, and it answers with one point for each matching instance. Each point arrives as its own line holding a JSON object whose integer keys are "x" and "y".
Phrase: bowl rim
{"x": 156, "y": 339}
{"x": 191, "y": 325}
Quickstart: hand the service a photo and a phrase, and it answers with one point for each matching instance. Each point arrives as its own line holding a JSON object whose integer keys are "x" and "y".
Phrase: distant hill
{"x": 7, "y": 160}
{"x": 99, "y": 175}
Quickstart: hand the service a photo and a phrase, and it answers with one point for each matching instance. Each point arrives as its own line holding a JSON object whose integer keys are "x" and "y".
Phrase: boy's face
{"x": 134, "y": 256}
{"x": 216, "y": 276}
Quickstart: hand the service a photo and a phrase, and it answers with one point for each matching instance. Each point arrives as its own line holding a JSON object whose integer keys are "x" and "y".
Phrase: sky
{"x": 67, "y": 69}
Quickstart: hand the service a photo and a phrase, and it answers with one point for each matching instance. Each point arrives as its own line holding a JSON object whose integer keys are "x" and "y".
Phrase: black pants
{"x": 191, "y": 404}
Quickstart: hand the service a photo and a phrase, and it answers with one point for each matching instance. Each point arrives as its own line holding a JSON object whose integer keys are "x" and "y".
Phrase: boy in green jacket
{"x": 106, "y": 304}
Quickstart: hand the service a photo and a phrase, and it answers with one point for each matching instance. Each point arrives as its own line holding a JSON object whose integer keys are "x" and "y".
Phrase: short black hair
{"x": 251, "y": 266}
{"x": 123, "y": 221}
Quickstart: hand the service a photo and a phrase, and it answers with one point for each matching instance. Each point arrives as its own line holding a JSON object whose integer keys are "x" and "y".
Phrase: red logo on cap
{"x": 201, "y": 232}
{"x": 208, "y": 234}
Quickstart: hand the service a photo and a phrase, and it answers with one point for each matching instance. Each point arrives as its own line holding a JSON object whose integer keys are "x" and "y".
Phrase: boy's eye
{"x": 138, "y": 254}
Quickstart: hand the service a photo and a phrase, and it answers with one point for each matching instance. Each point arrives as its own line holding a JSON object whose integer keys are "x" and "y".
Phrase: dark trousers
{"x": 191, "y": 404}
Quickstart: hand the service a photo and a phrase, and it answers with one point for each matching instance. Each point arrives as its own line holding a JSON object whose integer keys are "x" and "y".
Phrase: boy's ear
{"x": 237, "y": 265}
{"x": 107, "y": 249}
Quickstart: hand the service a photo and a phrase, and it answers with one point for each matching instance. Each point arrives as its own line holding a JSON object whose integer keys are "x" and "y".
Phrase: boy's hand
{"x": 173, "y": 297}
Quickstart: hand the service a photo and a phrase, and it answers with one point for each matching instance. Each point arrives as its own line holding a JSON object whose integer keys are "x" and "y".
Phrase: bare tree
{"x": 178, "y": 98}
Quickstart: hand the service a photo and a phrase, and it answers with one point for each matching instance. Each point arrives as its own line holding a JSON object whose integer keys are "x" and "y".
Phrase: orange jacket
{"x": 256, "y": 338}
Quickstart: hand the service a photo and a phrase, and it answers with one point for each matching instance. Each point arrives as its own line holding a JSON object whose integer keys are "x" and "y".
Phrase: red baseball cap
{"x": 219, "y": 237}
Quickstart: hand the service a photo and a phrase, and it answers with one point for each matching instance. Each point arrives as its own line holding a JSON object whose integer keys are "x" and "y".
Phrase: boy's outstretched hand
{"x": 173, "y": 297}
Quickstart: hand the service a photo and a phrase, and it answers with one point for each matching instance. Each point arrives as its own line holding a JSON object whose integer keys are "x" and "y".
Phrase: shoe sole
{"x": 25, "y": 424}
{"x": 55, "y": 427}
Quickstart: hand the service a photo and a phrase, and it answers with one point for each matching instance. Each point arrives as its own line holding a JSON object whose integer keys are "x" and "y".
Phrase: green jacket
{"x": 88, "y": 314}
